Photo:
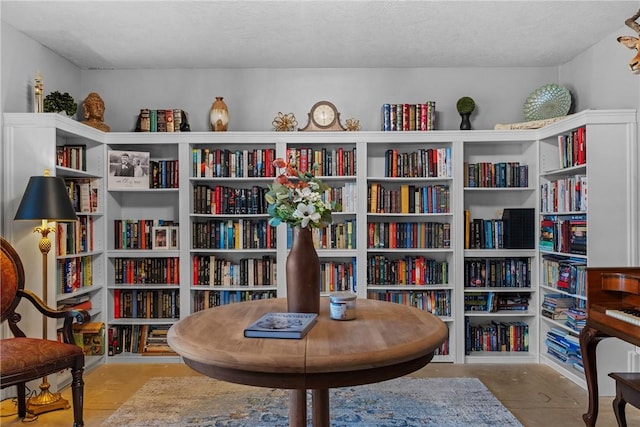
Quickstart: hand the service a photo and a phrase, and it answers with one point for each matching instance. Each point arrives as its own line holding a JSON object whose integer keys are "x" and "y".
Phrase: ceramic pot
{"x": 303, "y": 274}
{"x": 219, "y": 115}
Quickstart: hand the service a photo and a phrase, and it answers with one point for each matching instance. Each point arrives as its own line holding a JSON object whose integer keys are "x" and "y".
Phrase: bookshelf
{"x": 410, "y": 235}
{"x": 596, "y": 185}
{"x": 218, "y": 272}
{"x": 145, "y": 267}
{"x": 499, "y": 278}
{"x": 73, "y": 151}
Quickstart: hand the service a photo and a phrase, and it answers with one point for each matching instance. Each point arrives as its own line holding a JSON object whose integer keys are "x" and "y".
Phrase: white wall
{"x": 22, "y": 58}
{"x": 255, "y": 96}
{"x": 599, "y": 77}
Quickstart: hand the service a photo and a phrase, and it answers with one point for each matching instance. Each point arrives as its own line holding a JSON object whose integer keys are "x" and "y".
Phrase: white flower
{"x": 306, "y": 213}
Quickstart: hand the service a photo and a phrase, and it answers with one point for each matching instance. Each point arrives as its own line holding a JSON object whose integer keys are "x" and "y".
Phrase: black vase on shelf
{"x": 465, "y": 124}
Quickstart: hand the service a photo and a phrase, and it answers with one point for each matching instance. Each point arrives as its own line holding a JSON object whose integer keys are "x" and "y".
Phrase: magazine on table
{"x": 281, "y": 325}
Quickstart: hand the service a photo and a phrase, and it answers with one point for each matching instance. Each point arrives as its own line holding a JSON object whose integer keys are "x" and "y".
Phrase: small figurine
{"x": 93, "y": 107}
{"x": 38, "y": 94}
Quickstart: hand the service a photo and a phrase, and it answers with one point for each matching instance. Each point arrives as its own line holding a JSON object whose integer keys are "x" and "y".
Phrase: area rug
{"x": 204, "y": 402}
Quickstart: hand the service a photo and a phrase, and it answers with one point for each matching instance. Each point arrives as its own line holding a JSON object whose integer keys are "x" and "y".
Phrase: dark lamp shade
{"x": 46, "y": 197}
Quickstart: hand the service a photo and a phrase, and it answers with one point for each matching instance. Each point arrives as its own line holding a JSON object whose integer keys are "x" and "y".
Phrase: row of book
{"x": 210, "y": 162}
{"x": 565, "y": 347}
{"x": 233, "y": 234}
{"x": 567, "y": 234}
{"x": 572, "y": 148}
{"x": 564, "y": 195}
{"x": 146, "y": 304}
{"x": 338, "y": 276}
{"x": 83, "y": 193}
{"x": 564, "y": 273}
{"x": 407, "y": 117}
{"x": 423, "y": 163}
{"x": 484, "y": 233}
{"x": 408, "y": 198}
{"x": 341, "y": 235}
{"x": 212, "y": 270}
{"x": 323, "y": 161}
{"x": 436, "y": 302}
{"x": 147, "y": 340}
{"x": 225, "y": 200}
{"x": 410, "y": 270}
{"x": 73, "y": 274}
{"x": 492, "y": 302}
{"x": 164, "y": 174}
{"x": 556, "y": 306}
{"x": 162, "y": 120}
{"x": 75, "y": 237}
{"x": 211, "y": 298}
{"x": 72, "y": 156}
{"x": 495, "y": 175}
{"x": 137, "y": 234}
{"x": 401, "y": 235}
{"x": 497, "y": 272}
{"x": 131, "y": 271}
{"x": 496, "y": 336}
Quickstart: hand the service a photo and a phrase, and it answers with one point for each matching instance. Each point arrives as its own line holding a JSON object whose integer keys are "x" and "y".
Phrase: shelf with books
{"x": 587, "y": 218}
{"x": 499, "y": 285}
{"x": 76, "y": 276}
{"x": 409, "y": 249}
{"x": 143, "y": 231}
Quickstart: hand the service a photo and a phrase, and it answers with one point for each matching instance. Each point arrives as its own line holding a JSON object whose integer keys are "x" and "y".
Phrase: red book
{"x": 116, "y": 303}
{"x": 196, "y": 260}
{"x": 340, "y": 162}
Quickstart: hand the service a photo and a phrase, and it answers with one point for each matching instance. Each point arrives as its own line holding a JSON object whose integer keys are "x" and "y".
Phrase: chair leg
{"x": 22, "y": 400}
{"x": 77, "y": 392}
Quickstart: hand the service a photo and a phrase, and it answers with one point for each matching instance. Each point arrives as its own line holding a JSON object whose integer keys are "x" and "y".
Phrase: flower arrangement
{"x": 296, "y": 198}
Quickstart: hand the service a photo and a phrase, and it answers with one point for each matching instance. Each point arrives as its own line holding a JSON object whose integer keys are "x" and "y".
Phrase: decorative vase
{"x": 465, "y": 124}
{"x": 219, "y": 115}
{"x": 303, "y": 274}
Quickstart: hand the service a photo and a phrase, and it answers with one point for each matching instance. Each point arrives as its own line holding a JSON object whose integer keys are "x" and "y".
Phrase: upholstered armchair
{"x": 25, "y": 359}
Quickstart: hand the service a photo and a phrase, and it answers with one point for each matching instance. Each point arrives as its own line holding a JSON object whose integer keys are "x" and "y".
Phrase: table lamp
{"x": 45, "y": 199}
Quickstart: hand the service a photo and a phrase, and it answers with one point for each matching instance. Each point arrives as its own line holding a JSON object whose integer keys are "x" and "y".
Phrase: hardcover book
{"x": 281, "y": 325}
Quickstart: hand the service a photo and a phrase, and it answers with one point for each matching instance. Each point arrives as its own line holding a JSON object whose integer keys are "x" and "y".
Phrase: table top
{"x": 384, "y": 341}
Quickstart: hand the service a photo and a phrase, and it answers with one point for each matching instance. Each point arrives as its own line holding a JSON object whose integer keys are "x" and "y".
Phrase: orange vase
{"x": 303, "y": 274}
{"x": 219, "y": 115}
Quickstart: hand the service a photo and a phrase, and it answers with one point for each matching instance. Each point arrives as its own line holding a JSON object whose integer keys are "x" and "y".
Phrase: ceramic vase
{"x": 303, "y": 274}
{"x": 219, "y": 115}
{"x": 465, "y": 124}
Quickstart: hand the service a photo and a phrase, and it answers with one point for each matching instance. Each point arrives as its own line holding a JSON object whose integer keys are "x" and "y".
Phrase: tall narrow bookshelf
{"x": 232, "y": 248}
{"x": 588, "y": 215}
{"x": 145, "y": 266}
{"x": 499, "y": 275}
{"x": 76, "y": 262}
{"x": 410, "y": 227}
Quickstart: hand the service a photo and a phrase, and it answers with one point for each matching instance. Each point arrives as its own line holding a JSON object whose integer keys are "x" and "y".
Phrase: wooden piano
{"x": 613, "y": 310}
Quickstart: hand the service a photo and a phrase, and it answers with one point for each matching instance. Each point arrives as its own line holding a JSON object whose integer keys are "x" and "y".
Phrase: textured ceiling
{"x": 298, "y": 34}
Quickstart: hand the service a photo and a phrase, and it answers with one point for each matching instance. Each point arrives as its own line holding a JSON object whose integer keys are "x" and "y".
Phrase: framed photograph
{"x": 160, "y": 236}
{"x": 174, "y": 237}
{"x": 128, "y": 169}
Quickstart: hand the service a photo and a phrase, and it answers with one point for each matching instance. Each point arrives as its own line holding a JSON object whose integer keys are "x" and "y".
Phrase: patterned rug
{"x": 204, "y": 402}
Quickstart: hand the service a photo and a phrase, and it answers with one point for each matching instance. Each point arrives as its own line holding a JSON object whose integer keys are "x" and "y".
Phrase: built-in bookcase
{"x": 404, "y": 233}
{"x": 588, "y": 203}
{"x": 499, "y": 279}
{"x": 76, "y": 261}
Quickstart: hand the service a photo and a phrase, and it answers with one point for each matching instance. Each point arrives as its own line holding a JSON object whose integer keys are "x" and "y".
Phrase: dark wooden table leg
{"x": 298, "y": 408}
{"x": 320, "y": 407}
{"x": 589, "y": 339}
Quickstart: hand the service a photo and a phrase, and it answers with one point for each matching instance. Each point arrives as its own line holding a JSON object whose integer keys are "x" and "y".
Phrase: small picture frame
{"x": 174, "y": 237}
{"x": 160, "y": 238}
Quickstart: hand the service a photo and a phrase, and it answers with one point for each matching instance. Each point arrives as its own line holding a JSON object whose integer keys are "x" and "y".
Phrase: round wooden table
{"x": 385, "y": 341}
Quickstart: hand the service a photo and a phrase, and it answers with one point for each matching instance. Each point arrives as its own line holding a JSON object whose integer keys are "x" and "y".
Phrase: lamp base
{"x": 46, "y": 401}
